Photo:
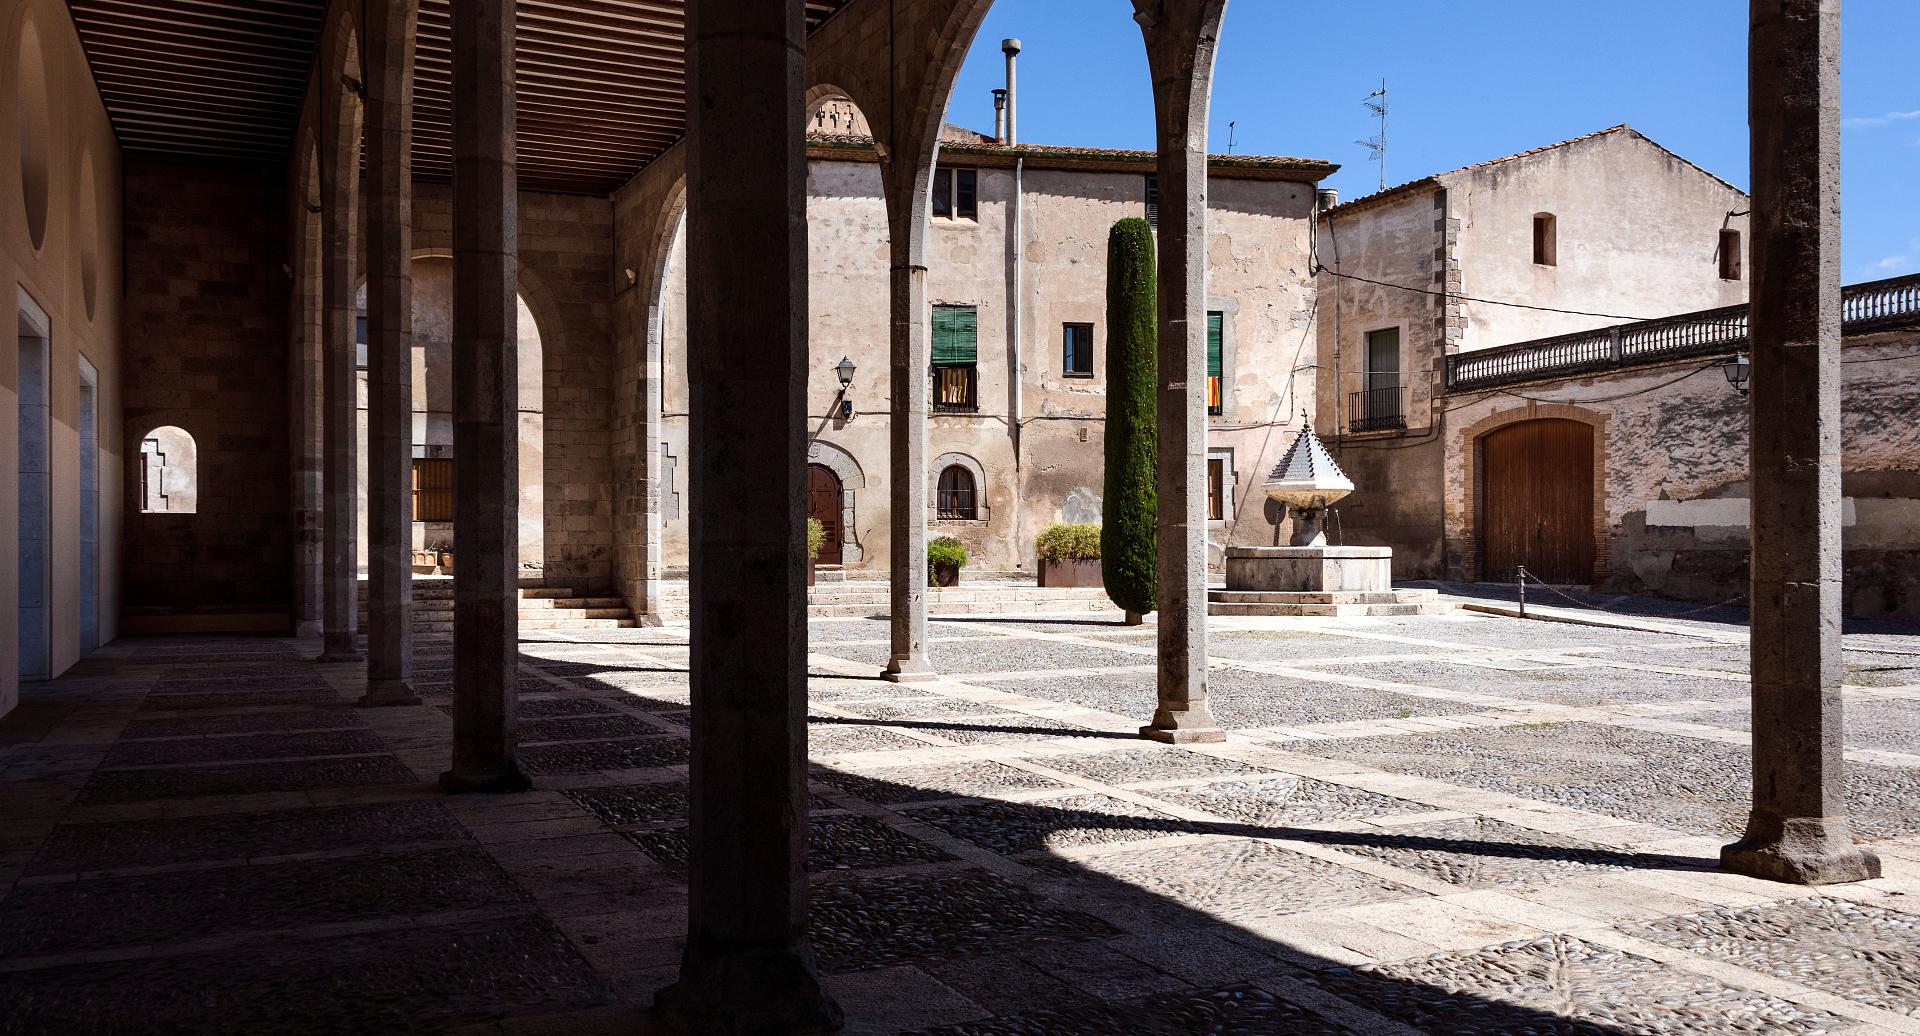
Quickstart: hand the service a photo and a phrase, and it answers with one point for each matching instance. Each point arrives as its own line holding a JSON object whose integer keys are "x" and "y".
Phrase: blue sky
{"x": 1470, "y": 81}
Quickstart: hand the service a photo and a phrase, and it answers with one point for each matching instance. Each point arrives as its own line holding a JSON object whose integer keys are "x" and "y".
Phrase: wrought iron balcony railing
{"x": 1871, "y": 306}
{"x": 1375, "y": 410}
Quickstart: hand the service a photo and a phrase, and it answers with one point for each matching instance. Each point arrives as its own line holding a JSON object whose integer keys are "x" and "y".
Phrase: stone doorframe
{"x": 1464, "y": 464}
{"x": 844, "y": 467}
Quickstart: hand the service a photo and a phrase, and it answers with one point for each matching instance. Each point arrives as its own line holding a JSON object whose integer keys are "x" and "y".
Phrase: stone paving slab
{"x": 69, "y": 848}
{"x": 584, "y": 728}
{"x": 1892, "y": 726}
{"x": 105, "y": 913}
{"x": 1287, "y": 646}
{"x": 120, "y": 786}
{"x": 1283, "y": 801}
{"x": 1564, "y": 985}
{"x": 1481, "y": 853}
{"x": 1156, "y": 763}
{"x": 1685, "y": 784}
{"x": 1560, "y": 684}
{"x": 911, "y": 917}
{"x": 1235, "y": 1009}
{"x": 1079, "y": 820}
{"x": 833, "y": 843}
{"x": 1859, "y": 951}
{"x": 930, "y": 783}
{"x": 397, "y": 981}
{"x": 299, "y": 694}
{"x": 1010, "y": 655}
{"x": 231, "y": 748}
{"x": 242, "y": 723}
{"x": 590, "y": 756}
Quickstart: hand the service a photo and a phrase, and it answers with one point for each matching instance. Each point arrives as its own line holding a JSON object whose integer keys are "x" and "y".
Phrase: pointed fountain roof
{"x": 1308, "y": 469}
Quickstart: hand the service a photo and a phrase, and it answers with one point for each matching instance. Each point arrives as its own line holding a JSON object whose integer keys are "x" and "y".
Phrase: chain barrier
{"x": 1523, "y": 574}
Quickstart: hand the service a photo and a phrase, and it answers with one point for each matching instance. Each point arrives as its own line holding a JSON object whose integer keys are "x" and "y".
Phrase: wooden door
{"x": 823, "y": 503}
{"x": 1536, "y": 502}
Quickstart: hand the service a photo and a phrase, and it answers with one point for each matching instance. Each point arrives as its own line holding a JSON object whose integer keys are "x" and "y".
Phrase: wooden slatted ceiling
{"x": 601, "y": 91}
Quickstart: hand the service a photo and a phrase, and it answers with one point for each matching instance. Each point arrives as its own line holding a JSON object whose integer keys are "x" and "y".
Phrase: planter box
{"x": 426, "y": 561}
{"x": 1070, "y": 573}
{"x": 944, "y": 575}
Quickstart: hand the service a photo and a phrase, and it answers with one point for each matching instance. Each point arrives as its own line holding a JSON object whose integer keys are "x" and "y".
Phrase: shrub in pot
{"x": 816, "y": 538}
{"x": 946, "y": 556}
{"x": 1069, "y": 554}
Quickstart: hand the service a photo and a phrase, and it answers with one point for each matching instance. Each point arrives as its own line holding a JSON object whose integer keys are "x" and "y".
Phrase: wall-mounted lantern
{"x": 1737, "y": 368}
{"x": 844, "y": 370}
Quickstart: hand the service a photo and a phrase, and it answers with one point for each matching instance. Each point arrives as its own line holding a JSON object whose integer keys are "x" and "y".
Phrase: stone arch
{"x": 966, "y": 462}
{"x": 1469, "y": 505}
{"x": 852, "y": 480}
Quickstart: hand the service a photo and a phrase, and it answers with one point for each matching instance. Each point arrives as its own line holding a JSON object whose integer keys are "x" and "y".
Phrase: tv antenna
{"x": 1230, "y": 127}
{"x": 1376, "y": 145}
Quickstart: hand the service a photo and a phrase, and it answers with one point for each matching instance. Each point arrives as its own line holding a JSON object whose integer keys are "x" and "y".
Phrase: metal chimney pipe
{"x": 1000, "y": 116}
{"x": 1326, "y": 197}
{"x": 1011, "y": 48}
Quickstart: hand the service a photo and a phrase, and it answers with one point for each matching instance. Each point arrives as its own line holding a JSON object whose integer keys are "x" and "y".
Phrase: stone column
{"x": 486, "y": 404}
{"x": 339, "y": 402}
{"x": 911, "y": 387}
{"x": 1798, "y": 829}
{"x": 1180, "y": 37}
{"x": 747, "y": 967}
{"x": 389, "y": 49}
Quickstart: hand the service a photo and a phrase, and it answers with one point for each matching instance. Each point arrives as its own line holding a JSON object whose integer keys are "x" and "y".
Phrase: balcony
{"x": 1376, "y": 410}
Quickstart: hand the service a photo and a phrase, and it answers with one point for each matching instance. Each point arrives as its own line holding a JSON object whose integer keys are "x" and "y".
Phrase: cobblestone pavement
{"x": 1448, "y": 824}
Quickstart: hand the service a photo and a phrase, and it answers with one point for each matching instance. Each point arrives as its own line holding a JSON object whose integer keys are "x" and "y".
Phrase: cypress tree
{"x": 1129, "y": 509}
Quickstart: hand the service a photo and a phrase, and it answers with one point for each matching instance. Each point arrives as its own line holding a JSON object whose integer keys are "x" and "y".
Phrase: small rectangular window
{"x": 1545, "y": 248}
{"x": 1153, "y": 200}
{"x": 1216, "y": 488}
{"x": 966, "y": 193}
{"x": 956, "y": 354}
{"x": 1730, "y": 255}
{"x": 432, "y": 489}
{"x": 943, "y": 193}
{"x": 1077, "y": 347}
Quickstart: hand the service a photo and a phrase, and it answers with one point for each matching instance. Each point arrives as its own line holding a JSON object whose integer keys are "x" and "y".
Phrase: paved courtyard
{"x": 1461, "y": 824}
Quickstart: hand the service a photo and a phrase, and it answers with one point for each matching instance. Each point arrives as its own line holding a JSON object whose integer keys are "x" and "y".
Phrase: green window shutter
{"x": 955, "y": 335}
{"x": 1216, "y": 324}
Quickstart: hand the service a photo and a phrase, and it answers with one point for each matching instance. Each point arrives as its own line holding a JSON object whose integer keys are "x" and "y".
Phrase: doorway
{"x": 823, "y": 505}
{"x": 1537, "y": 502}
{"x": 36, "y": 495}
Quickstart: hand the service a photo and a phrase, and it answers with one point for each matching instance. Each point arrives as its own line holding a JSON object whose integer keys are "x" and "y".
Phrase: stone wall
{"x": 206, "y": 351}
{"x": 1671, "y": 486}
{"x": 60, "y": 259}
{"x": 1036, "y": 439}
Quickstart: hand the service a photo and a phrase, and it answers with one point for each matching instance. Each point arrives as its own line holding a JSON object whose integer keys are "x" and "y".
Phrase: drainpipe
{"x": 1016, "y": 228}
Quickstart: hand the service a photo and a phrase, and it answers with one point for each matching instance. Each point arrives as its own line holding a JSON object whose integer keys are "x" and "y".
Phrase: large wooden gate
{"x": 823, "y": 503}
{"x": 1536, "y": 501}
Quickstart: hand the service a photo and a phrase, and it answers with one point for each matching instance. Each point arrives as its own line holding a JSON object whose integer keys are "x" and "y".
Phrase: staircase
{"x": 542, "y": 607}
{"x": 1333, "y": 603}
{"x": 840, "y": 597}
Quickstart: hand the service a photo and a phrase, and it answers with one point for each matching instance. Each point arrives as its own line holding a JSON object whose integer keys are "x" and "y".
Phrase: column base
{"x": 307, "y": 628}
{"x": 1800, "y": 851}
{"x": 388, "y": 692}
{"x": 491, "y": 783}
{"x": 749, "y": 992}
{"x": 909, "y": 670}
{"x": 1191, "y": 724}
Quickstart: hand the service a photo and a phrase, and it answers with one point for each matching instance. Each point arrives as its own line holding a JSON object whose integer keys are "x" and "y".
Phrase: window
{"x": 432, "y": 489}
{"x": 1378, "y": 404}
{"x": 1077, "y": 348}
{"x": 169, "y": 475}
{"x": 1216, "y": 335}
{"x": 955, "y": 497}
{"x": 1153, "y": 200}
{"x": 955, "y": 359}
{"x": 1729, "y": 255}
{"x": 1216, "y": 488}
{"x": 956, "y": 193}
{"x": 1545, "y": 248}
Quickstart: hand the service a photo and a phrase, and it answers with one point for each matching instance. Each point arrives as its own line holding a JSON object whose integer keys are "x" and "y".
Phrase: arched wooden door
{"x": 1536, "y": 501}
{"x": 823, "y": 503}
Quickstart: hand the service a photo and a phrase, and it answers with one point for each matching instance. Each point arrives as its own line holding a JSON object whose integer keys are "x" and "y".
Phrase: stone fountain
{"x": 1308, "y": 576}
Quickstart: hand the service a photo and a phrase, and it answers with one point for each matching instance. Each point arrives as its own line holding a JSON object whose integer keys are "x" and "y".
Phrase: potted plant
{"x": 946, "y": 556}
{"x": 446, "y": 557}
{"x": 816, "y": 538}
{"x": 1069, "y": 554}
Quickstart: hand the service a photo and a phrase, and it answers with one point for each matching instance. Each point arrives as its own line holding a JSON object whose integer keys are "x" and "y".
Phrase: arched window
{"x": 957, "y": 498}
{"x": 1546, "y": 249}
{"x": 169, "y": 472}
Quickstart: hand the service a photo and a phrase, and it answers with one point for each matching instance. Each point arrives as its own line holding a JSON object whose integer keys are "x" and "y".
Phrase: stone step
{"x": 1323, "y": 596}
{"x": 1330, "y": 610}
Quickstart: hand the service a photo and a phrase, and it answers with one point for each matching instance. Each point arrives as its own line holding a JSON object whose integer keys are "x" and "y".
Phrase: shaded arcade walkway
{"x": 1466, "y": 825}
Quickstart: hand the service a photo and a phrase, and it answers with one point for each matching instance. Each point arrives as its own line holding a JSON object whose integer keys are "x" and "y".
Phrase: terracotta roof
{"x": 1433, "y": 180}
